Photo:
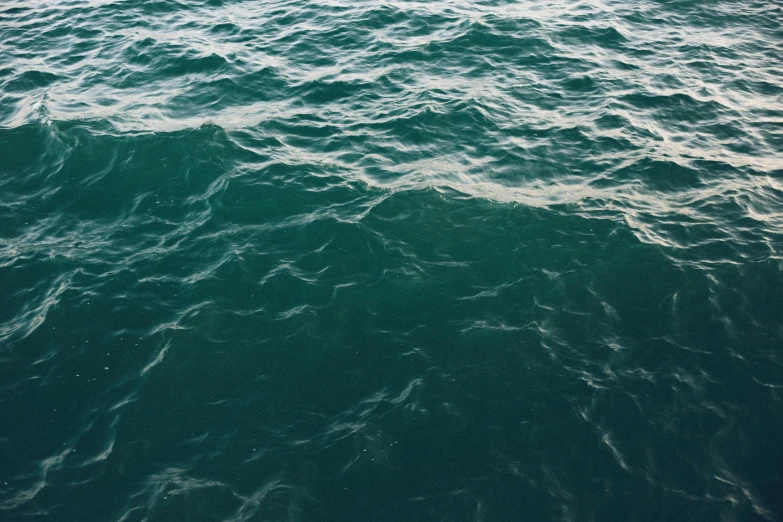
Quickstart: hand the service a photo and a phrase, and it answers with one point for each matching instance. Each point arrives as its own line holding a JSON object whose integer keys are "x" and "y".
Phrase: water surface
{"x": 443, "y": 260}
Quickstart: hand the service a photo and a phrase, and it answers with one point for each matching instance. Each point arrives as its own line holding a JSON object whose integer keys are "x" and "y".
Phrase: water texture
{"x": 444, "y": 260}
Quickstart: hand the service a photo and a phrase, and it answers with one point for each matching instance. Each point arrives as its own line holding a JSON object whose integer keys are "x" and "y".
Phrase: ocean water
{"x": 408, "y": 260}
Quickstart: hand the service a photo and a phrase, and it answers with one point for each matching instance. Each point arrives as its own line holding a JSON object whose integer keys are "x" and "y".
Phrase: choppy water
{"x": 331, "y": 260}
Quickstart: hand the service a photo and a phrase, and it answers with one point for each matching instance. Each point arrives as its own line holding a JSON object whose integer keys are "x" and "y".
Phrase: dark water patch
{"x": 30, "y": 80}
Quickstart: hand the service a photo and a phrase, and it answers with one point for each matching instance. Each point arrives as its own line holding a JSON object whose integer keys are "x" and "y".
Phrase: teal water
{"x": 446, "y": 260}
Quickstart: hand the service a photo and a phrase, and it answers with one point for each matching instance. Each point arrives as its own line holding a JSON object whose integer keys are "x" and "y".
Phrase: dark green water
{"x": 337, "y": 260}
